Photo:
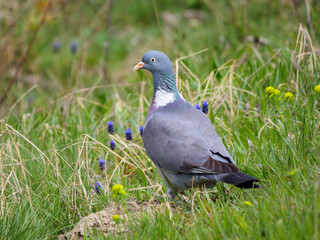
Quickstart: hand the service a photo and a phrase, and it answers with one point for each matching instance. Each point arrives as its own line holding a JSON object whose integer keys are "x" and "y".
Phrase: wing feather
{"x": 184, "y": 140}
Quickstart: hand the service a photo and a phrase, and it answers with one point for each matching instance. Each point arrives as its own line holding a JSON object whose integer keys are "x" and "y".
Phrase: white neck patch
{"x": 163, "y": 98}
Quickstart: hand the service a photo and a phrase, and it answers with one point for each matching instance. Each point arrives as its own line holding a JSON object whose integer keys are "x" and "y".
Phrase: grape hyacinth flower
{"x": 112, "y": 145}
{"x": 141, "y": 130}
{"x": 110, "y": 127}
{"x": 30, "y": 100}
{"x": 97, "y": 187}
{"x": 74, "y": 47}
{"x": 56, "y": 46}
{"x": 205, "y": 107}
{"x": 197, "y": 106}
{"x": 102, "y": 164}
{"x": 128, "y": 134}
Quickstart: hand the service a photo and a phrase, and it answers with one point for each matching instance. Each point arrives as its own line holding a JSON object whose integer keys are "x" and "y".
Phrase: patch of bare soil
{"x": 103, "y": 221}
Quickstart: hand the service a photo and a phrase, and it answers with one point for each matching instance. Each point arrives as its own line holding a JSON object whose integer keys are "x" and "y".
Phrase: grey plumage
{"x": 181, "y": 140}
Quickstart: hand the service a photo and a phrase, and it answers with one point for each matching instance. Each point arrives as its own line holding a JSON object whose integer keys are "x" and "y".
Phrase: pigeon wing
{"x": 184, "y": 140}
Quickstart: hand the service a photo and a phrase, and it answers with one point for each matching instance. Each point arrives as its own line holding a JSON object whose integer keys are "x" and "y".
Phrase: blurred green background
{"x": 111, "y": 36}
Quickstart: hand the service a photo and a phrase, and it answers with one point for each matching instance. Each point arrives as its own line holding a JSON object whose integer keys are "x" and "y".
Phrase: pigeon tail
{"x": 239, "y": 179}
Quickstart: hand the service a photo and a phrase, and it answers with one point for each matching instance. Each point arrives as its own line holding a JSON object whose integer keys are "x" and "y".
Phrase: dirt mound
{"x": 103, "y": 221}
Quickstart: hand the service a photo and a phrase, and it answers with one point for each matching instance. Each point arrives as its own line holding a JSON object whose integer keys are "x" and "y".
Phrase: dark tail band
{"x": 239, "y": 179}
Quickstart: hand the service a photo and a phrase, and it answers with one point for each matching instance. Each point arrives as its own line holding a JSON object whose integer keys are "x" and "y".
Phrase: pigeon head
{"x": 155, "y": 62}
{"x": 164, "y": 83}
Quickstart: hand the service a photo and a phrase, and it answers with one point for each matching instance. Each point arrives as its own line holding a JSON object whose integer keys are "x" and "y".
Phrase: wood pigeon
{"x": 181, "y": 140}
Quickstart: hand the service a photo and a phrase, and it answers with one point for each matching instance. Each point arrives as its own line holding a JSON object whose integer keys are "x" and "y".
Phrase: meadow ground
{"x": 77, "y": 76}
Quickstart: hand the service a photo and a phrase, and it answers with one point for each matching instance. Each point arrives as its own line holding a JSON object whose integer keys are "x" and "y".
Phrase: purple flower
{"x": 97, "y": 187}
{"x": 112, "y": 145}
{"x": 74, "y": 47}
{"x": 110, "y": 127}
{"x": 205, "y": 107}
{"x": 141, "y": 130}
{"x": 197, "y": 106}
{"x": 102, "y": 164}
{"x": 56, "y": 46}
{"x": 128, "y": 134}
{"x": 30, "y": 100}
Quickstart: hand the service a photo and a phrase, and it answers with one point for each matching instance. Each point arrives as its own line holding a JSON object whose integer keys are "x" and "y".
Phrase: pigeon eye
{"x": 153, "y": 59}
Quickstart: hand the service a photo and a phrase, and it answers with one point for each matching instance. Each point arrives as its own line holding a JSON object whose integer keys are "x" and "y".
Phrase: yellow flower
{"x": 123, "y": 193}
{"x": 288, "y": 95}
{"x": 317, "y": 88}
{"x": 117, "y": 189}
{"x": 247, "y": 203}
{"x": 269, "y": 90}
{"x": 276, "y": 92}
{"x": 116, "y": 217}
{"x": 293, "y": 172}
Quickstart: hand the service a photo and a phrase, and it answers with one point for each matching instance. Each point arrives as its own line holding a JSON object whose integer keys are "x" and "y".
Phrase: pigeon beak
{"x": 138, "y": 66}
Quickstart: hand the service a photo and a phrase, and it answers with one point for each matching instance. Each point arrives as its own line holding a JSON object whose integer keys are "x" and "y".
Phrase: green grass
{"x": 53, "y": 125}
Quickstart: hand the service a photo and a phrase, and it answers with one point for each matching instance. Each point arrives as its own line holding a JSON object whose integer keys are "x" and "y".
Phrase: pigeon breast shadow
{"x": 181, "y": 140}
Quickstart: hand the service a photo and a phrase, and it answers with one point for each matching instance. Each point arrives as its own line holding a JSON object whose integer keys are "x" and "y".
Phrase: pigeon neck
{"x": 164, "y": 81}
{"x": 165, "y": 89}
